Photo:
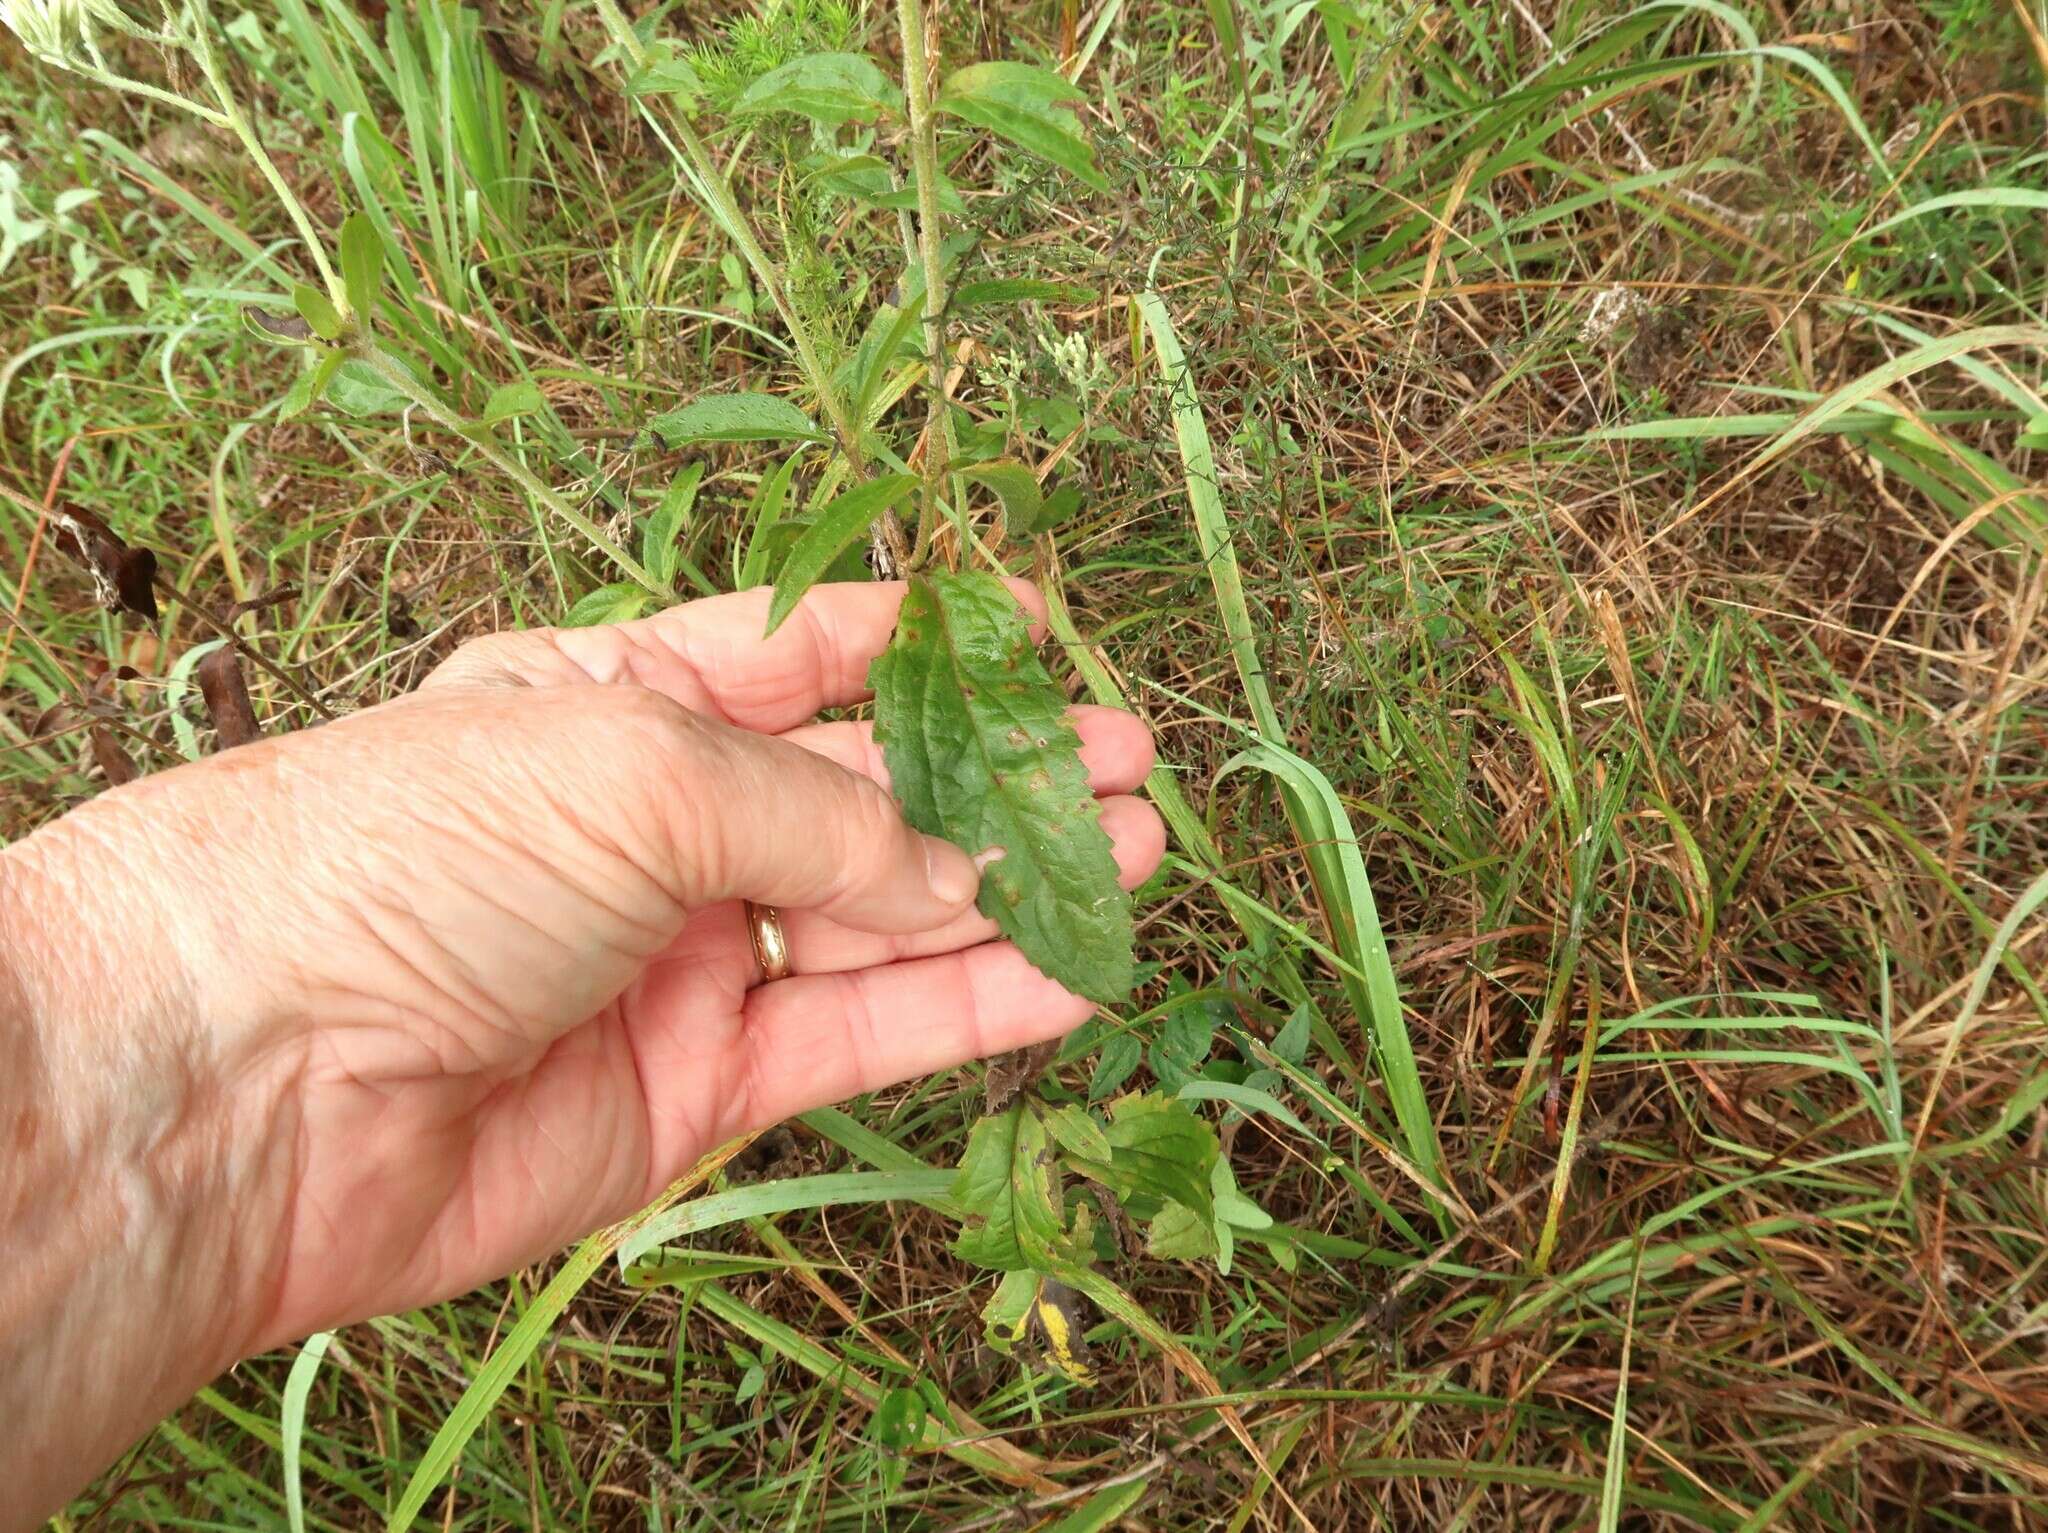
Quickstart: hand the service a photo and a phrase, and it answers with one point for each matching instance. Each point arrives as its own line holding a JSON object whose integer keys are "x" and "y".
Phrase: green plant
{"x": 989, "y": 762}
{"x": 973, "y": 729}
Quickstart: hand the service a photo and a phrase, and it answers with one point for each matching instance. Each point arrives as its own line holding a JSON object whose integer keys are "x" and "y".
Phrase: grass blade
{"x": 298, "y": 1385}
{"x": 1318, "y": 816}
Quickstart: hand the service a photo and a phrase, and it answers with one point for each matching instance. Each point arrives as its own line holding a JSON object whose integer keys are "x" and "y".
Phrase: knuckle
{"x": 644, "y": 712}
{"x": 870, "y": 826}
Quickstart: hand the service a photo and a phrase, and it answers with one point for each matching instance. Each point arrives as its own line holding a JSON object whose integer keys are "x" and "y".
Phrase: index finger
{"x": 712, "y": 656}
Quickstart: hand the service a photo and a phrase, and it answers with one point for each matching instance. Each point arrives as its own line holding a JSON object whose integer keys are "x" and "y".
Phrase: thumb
{"x": 780, "y": 825}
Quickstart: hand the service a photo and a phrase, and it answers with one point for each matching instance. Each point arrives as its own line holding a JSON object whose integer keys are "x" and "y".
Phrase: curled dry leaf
{"x": 430, "y": 463}
{"x": 123, "y": 578}
{"x": 227, "y": 698}
{"x": 769, "y": 1158}
{"x": 292, "y": 329}
{"x": 52, "y": 721}
{"x": 1011, "y": 1074}
{"x": 114, "y": 762}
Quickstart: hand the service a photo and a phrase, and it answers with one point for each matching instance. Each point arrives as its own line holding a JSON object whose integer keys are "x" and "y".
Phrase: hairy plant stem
{"x": 924, "y": 161}
{"x": 479, "y": 436}
{"x": 102, "y": 76}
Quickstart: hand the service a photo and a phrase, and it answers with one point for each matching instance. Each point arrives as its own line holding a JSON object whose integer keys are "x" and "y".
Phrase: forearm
{"x": 121, "y": 1189}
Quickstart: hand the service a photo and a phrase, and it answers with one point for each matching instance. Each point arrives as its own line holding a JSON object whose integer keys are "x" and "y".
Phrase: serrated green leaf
{"x": 831, "y": 88}
{"x": 736, "y": 418}
{"x": 1161, "y": 1150}
{"x": 521, "y": 397}
{"x": 1015, "y": 486}
{"x": 1009, "y": 1183}
{"x": 1178, "y": 1233}
{"x": 1185, "y": 1038}
{"x": 1008, "y": 1310}
{"x": 857, "y": 175}
{"x": 980, "y": 751}
{"x": 317, "y": 310}
{"x": 617, "y": 603}
{"x": 664, "y": 70}
{"x": 1072, "y": 1129}
{"x": 357, "y": 389}
{"x": 836, "y": 529}
{"x": 1024, "y": 104}
{"x": 307, "y": 388}
{"x": 362, "y": 264}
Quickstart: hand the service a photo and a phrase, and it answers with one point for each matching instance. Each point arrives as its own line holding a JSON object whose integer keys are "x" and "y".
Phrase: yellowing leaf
{"x": 980, "y": 751}
{"x": 1058, "y": 1327}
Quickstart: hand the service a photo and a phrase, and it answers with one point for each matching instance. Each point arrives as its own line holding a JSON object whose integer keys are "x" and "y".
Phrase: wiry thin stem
{"x": 237, "y": 119}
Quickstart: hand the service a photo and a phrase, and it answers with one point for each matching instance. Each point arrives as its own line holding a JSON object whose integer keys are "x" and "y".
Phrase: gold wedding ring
{"x": 771, "y": 947}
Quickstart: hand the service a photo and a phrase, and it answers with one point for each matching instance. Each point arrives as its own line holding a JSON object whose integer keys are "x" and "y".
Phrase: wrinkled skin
{"x": 354, "y": 1019}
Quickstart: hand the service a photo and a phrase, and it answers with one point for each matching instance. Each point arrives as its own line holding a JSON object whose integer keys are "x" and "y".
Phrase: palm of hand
{"x": 524, "y": 997}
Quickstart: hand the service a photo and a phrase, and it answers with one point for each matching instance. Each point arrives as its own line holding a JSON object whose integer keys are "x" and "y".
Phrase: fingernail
{"x": 954, "y": 878}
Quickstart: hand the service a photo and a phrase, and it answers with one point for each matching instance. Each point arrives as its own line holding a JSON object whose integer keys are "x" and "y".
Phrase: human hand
{"x": 384, "y": 1009}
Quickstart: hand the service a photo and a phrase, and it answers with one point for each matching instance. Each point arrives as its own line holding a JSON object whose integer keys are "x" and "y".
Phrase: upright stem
{"x": 924, "y": 160}
{"x": 717, "y": 194}
{"x": 726, "y": 205}
{"x": 209, "y": 64}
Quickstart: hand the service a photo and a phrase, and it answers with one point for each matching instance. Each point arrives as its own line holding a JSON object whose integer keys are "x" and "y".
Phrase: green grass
{"x": 1621, "y": 978}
